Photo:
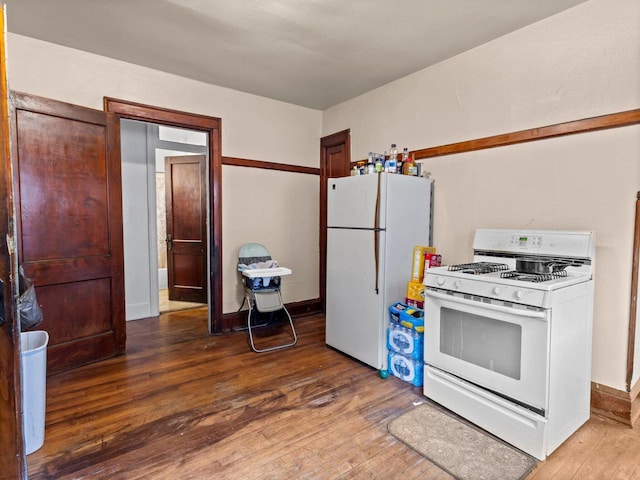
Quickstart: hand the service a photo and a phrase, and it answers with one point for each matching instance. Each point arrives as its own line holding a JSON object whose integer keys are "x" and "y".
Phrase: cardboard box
{"x": 413, "y": 318}
{"x": 432, "y": 260}
{"x": 417, "y": 269}
{"x": 414, "y": 303}
{"x": 396, "y": 310}
{"x": 415, "y": 291}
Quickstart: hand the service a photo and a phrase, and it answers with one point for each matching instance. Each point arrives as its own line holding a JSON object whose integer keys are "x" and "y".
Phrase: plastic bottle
{"x": 370, "y": 164}
{"x": 379, "y": 163}
{"x": 393, "y": 159}
{"x": 412, "y": 168}
{"x": 393, "y": 153}
{"x": 404, "y": 161}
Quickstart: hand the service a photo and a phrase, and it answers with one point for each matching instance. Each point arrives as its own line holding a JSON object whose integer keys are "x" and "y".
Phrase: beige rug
{"x": 461, "y": 450}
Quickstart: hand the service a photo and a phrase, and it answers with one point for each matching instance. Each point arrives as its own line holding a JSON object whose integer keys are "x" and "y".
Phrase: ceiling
{"x": 314, "y": 53}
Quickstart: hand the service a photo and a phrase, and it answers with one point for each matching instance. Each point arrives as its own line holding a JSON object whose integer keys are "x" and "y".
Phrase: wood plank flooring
{"x": 167, "y": 305}
{"x": 185, "y": 405}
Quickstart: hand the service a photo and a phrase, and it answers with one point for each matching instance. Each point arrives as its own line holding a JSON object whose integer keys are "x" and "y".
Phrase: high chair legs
{"x": 267, "y": 301}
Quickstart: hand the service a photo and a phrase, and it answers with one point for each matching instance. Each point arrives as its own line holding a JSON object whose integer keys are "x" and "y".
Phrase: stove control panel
{"x": 476, "y": 288}
{"x": 553, "y": 243}
{"x": 528, "y": 241}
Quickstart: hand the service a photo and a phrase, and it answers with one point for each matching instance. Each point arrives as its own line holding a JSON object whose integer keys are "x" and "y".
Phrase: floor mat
{"x": 461, "y": 450}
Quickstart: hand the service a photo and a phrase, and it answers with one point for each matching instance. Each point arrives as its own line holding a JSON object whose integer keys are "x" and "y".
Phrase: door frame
{"x": 212, "y": 126}
{"x": 13, "y": 461}
{"x": 333, "y": 140}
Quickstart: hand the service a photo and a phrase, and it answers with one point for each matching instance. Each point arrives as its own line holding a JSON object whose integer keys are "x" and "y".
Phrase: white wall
{"x": 269, "y": 209}
{"x": 580, "y": 63}
{"x": 252, "y": 127}
{"x": 136, "y": 222}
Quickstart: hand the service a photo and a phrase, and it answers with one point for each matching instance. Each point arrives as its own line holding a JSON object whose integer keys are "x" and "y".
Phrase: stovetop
{"x": 533, "y": 277}
{"x": 508, "y": 276}
{"x": 496, "y": 287}
{"x": 492, "y": 273}
{"x": 506, "y": 271}
{"x": 478, "y": 268}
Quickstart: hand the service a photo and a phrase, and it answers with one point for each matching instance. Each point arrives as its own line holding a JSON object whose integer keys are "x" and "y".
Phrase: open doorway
{"x": 159, "y": 266}
{"x": 211, "y": 126}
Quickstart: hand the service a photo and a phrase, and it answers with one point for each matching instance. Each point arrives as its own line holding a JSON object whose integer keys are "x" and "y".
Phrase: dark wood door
{"x": 12, "y": 452}
{"x": 186, "y": 203}
{"x": 335, "y": 161}
{"x": 66, "y": 162}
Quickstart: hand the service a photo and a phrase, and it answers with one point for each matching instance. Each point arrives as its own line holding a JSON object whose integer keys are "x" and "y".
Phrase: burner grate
{"x": 479, "y": 268}
{"x": 533, "y": 277}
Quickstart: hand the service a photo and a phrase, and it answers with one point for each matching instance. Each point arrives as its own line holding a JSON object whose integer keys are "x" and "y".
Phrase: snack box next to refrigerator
{"x": 417, "y": 269}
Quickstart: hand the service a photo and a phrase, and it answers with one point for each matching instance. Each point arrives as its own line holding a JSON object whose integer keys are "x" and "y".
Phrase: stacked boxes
{"x": 405, "y": 341}
{"x": 417, "y": 268}
{"x": 405, "y": 334}
{"x": 423, "y": 259}
{"x": 432, "y": 260}
{"x": 415, "y": 295}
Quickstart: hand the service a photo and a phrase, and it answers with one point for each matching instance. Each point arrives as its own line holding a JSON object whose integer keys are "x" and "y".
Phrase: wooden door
{"x": 66, "y": 162}
{"x": 335, "y": 161}
{"x": 12, "y": 452}
{"x": 186, "y": 203}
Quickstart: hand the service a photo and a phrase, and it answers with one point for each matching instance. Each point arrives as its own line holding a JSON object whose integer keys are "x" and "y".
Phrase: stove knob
{"x": 440, "y": 281}
{"x": 496, "y": 290}
{"x": 518, "y": 294}
{"x": 457, "y": 284}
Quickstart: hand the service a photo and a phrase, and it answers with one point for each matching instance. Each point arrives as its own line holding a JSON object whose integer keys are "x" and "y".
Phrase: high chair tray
{"x": 266, "y": 272}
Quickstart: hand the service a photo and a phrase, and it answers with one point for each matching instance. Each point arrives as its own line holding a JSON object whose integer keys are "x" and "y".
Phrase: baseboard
{"x": 616, "y": 404}
{"x": 138, "y": 311}
{"x": 234, "y": 320}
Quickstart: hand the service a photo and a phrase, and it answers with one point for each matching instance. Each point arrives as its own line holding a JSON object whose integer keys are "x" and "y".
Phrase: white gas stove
{"x": 493, "y": 273}
{"x": 508, "y": 336}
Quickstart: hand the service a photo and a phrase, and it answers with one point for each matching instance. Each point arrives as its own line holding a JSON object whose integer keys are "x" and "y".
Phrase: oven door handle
{"x": 488, "y": 306}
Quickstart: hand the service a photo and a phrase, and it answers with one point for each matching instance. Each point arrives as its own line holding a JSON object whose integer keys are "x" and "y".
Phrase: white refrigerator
{"x": 373, "y": 223}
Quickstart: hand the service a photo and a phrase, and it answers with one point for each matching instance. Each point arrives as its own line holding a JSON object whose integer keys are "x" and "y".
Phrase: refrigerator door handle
{"x": 376, "y": 230}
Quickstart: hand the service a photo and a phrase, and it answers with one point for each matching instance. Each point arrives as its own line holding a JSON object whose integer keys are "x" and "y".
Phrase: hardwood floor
{"x": 185, "y": 405}
{"x": 167, "y": 305}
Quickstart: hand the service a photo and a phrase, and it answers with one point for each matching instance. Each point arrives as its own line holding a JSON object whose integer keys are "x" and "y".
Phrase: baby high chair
{"x": 261, "y": 280}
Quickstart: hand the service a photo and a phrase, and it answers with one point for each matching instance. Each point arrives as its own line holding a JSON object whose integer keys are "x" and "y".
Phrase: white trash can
{"x": 33, "y": 352}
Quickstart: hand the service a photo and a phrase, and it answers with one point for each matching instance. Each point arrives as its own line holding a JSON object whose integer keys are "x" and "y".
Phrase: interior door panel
{"x": 67, "y": 183}
{"x": 186, "y": 206}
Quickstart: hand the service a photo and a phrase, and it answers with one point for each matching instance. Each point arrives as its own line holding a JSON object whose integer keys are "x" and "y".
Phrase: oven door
{"x": 497, "y": 346}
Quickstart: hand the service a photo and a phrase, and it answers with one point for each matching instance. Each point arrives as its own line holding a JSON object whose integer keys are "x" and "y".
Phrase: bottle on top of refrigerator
{"x": 412, "y": 169}
{"x": 404, "y": 161}
{"x": 393, "y": 159}
{"x": 370, "y": 163}
{"x": 379, "y": 163}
